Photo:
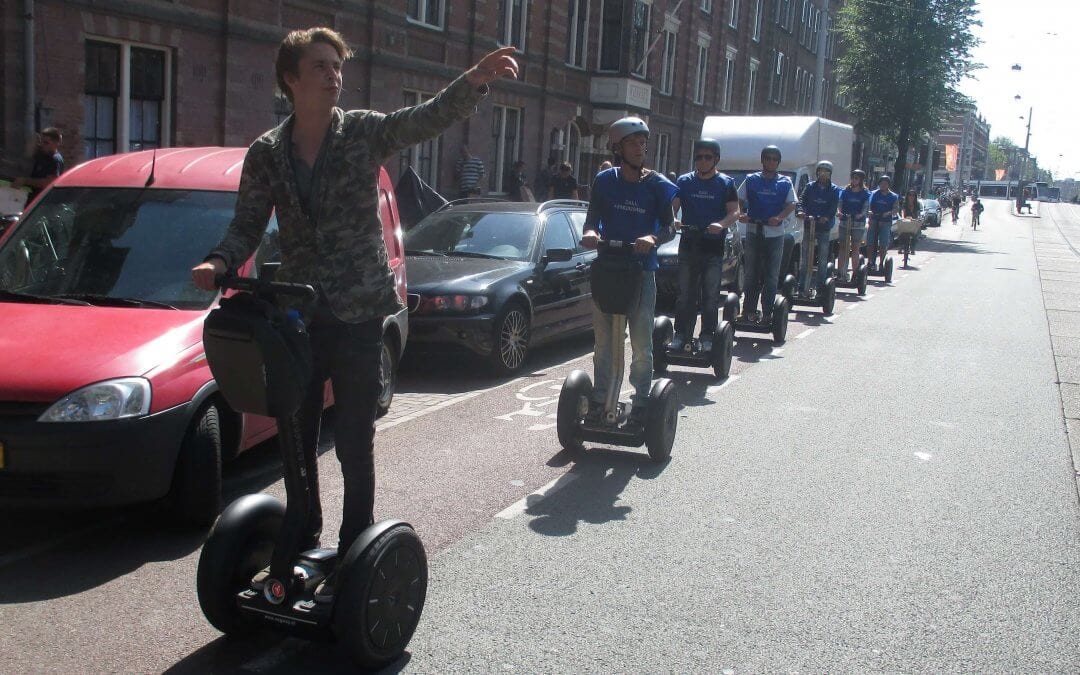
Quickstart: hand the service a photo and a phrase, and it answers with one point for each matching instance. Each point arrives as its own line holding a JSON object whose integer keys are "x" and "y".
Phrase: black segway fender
{"x": 780, "y": 319}
{"x": 662, "y": 420}
{"x": 573, "y": 404}
{"x": 723, "y": 345}
{"x": 787, "y": 288}
{"x": 240, "y": 544}
{"x": 861, "y": 279}
{"x": 828, "y": 296}
{"x": 731, "y": 307}
{"x": 663, "y": 332}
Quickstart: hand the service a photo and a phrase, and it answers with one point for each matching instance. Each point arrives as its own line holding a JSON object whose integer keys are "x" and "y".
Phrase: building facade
{"x": 121, "y": 75}
{"x": 970, "y": 132}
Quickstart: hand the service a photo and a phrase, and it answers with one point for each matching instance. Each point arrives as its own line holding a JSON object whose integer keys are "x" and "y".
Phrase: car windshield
{"x": 128, "y": 247}
{"x": 508, "y": 236}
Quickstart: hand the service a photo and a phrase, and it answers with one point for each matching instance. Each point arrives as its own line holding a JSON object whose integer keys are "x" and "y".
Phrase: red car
{"x": 105, "y": 394}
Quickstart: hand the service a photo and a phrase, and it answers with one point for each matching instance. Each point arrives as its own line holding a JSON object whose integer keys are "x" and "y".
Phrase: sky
{"x": 1037, "y": 34}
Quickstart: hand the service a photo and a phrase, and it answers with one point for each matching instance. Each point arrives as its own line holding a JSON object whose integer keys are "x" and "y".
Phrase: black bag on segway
{"x": 260, "y": 358}
{"x": 616, "y": 282}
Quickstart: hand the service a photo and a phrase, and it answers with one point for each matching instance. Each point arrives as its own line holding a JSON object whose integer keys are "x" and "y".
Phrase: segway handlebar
{"x": 262, "y": 287}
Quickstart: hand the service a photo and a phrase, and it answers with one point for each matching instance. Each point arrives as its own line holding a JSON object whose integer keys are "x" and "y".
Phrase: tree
{"x": 901, "y": 65}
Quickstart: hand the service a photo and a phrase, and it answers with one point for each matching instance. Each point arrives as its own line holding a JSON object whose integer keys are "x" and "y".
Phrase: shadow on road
{"x": 599, "y": 477}
{"x": 693, "y": 387}
{"x": 751, "y": 348}
{"x": 272, "y": 654}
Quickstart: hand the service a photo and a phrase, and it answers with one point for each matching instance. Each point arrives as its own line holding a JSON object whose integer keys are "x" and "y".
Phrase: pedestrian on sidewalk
{"x": 48, "y": 163}
{"x": 469, "y": 172}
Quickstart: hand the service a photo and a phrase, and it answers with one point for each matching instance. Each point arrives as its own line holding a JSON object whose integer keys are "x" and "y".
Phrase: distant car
{"x": 498, "y": 278}
{"x": 931, "y": 212}
{"x": 667, "y": 278}
{"x": 106, "y": 397}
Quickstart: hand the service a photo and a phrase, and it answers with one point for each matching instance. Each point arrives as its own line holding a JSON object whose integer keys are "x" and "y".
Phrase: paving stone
{"x": 1065, "y": 346}
{"x": 1059, "y": 286}
{"x": 1064, "y": 324}
{"x": 1070, "y": 400}
{"x": 1062, "y": 301}
{"x": 1068, "y": 369}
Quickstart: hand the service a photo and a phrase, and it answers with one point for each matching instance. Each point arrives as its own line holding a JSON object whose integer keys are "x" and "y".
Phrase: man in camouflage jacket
{"x": 325, "y": 195}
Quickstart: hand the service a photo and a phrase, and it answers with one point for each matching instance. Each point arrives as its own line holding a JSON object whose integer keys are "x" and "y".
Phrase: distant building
{"x": 971, "y": 133}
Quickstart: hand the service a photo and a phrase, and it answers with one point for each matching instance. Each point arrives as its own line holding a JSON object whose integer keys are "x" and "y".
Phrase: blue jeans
{"x": 700, "y": 278}
{"x": 640, "y": 322}
{"x": 767, "y": 251}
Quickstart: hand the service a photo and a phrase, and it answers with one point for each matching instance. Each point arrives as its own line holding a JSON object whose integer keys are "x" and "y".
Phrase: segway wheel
{"x": 663, "y": 333}
{"x": 731, "y": 307}
{"x": 788, "y": 288}
{"x": 723, "y": 345}
{"x": 888, "y": 270}
{"x": 780, "y": 320}
{"x": 663, "y": 419}
{"x": 239, "y": 545}
{"x": 573, "y": 404}
{"x": 861, "y": 280}
{"x": 828, "y": 296}
{"x": 381, "y": 596}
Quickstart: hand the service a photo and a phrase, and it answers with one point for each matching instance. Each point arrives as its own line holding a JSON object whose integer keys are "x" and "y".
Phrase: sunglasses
{"x": 698, "y": 158}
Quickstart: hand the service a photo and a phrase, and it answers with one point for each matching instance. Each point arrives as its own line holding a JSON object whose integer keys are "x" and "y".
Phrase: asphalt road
{"x": 891, "y": 490}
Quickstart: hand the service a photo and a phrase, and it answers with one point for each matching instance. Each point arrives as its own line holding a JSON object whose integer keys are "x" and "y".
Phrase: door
{"x": 583, "y": 259}
{"x": 555, "y": 300}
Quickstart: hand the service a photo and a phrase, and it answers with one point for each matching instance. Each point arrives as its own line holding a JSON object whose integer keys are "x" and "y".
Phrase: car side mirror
{"x": 557, "y": 255}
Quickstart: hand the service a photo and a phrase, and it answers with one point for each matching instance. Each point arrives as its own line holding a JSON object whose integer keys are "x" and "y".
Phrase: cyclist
{"x": 853, "y": 203}
{"x": 976, "y": 211}
{"x": 710, "y": 206}
{"x": 911, "y": 209}
{"x": 633, "y": 204}
{"x": 884, "y": 204}
{"x": 819, "y": 202}
{"x": 957, "y": 200}
{"x": 769, "y": 198}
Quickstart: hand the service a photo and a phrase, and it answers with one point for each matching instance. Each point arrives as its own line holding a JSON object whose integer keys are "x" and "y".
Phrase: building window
{"x": 804, "y": 22}
{"x": 127, "y": 102}
{"x": 702, "y": 73}
{"x": 815, "y": 24}
{"x": 729, "y": 79}
{"x": 663, "y": 151}
{"x": 755, "y": 25}
{"x": 427, "y": 13}
{"x": 733, "y": 14}
{"x": 505, "y": 135}
{"x": 422, "y": 157}
{"x": 667, "y": 69}
{"x": 798, "y": 89}
{"x": 99, "y": 104}
{"x": 610, "y": 35}
{"x": 513, "y": 18}
{"x": 751, "y": 85}
{"x": 776, "y": 82}
{"x": 639, "y": 37}
{"x": 706, "y": 6}
{"x": 577, "y": 33}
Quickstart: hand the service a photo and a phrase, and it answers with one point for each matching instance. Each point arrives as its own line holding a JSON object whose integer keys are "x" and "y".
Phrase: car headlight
{"x": 109, "y": 400}
{"x": 453, "y": 303}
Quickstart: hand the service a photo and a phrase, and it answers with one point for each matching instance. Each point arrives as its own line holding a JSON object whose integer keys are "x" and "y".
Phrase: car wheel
{"x": 195, "y": 496}
{"x": 387, "y": 375}
{"x": 511, "y": 344}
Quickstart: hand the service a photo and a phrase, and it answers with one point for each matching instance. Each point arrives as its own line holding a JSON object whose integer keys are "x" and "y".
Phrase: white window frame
{"x": 422, "y": 7}
{"x": 663, "y": 152}
{"x": 413, "y": 151}
{"x": 644, "y": 70}
{"x": 508, "y": 29}
{"x": 804, "y": 22}
{"x": 755, "y": 31}
{"x": 799, "y": 79}
{"x": 733, "y": 14}
{"x": 751, "y": 84}
{"x": 730, "y": 56}
{"x": 670, "y": 55}
{"x": 578, "y": 52}
{"x": 706, "y": 6}
{"x": 702, "y": 70}
{"x": 499, "y": 114}
{"x": 123, "y": 99}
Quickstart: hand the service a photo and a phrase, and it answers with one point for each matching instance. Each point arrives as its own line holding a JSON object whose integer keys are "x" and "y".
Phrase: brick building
{"x": 970, "y": 132}
{"x": 116, "y": 75}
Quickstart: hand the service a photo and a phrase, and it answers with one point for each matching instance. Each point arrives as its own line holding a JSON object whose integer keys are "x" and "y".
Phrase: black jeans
{"x": 349, "y": 356}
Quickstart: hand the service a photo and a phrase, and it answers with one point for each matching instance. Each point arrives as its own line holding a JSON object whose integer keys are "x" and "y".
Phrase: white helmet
{"x": 824, "y": 164}
{"x": 627, "y": 126}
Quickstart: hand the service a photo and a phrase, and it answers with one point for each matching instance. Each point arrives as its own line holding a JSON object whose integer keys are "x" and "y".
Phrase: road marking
{"x": 717, "y": 387}
{"x": 520, "y": 506}
{"x": 805, "y": 333}
{"x": 924, "y": 456}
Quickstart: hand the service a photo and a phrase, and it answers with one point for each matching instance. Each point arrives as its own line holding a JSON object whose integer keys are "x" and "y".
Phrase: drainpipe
{"x": 28, "y": 68}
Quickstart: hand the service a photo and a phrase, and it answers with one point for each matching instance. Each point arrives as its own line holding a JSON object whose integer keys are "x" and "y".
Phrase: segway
{"x": 255, "y": 570}
{"x": 824, "y": 296}
{"x": 886, "y": 269}
{"x": 781, "y": 303}
{"x": 859, "y": 274}
{"x": 616, "y": 284}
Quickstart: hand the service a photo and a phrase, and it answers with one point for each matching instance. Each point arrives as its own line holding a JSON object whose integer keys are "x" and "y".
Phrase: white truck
{"x": 803, "y": 142}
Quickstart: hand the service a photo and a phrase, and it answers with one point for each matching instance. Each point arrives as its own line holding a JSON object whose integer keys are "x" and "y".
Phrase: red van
{"x": 105, "y": 394}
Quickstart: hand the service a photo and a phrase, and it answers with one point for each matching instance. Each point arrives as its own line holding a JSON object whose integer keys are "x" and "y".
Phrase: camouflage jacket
{"x": 344, "y": 252}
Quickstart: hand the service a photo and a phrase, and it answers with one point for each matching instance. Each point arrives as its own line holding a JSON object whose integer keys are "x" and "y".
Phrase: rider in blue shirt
{"x": 820, "y": 201}
{"x": 768, "y": 199}
{"x": 884, "y": 203}
{"x": 629, "y": 203}
{"x": 710, "y": 206}
{"x": 854, "y": 200}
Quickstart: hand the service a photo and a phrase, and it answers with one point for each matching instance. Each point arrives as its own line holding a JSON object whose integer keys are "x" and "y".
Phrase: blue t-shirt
{"x": 821, "y": 202}
{"x": 631, "y": 210}
{"x": 853, "y": 202}
{"x": 767, "y": 197}
{"x": 704, "y": 200}
{"x": 882, "y": 202}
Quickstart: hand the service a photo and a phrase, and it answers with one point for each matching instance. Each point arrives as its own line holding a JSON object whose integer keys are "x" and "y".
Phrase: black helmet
{"x": 884, "y": 177}
{"x": 709, "y": 143}
{"x": 860, "y": 173}
{"x": 770, "y": 150}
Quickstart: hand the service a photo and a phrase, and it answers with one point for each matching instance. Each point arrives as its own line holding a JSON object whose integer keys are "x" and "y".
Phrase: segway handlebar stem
{"x": 262, "y": 287}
